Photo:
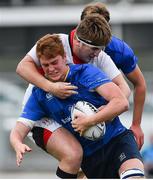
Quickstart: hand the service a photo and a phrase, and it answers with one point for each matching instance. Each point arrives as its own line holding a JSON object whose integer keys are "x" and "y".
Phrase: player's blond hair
{"x": 95, "y": 29}
{"x": 50, "y": 46}
{"x": 93, "y": 8}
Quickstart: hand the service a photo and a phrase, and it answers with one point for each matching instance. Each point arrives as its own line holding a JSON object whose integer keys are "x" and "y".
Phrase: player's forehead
{"x": 45, "y": 59}
{"x": 90, "y": 44}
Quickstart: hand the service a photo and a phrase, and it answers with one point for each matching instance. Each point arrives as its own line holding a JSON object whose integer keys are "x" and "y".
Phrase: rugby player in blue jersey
{"x": 114, "y": 155}
{"x": 95, "y": 29}
{"x": 124, "y": 58}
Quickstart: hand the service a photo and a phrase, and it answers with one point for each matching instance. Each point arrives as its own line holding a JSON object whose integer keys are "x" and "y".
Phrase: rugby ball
{"x": 94, "y": 132}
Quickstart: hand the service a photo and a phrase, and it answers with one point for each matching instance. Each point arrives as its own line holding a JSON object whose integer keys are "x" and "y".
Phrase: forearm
{"x": 28, "y": 71}
{"x": 15, "y": 139}
{"x": 18, "y": 134}
{"x": 139, "y": 84}
{"x": 139, "y": 100}
{"x": 125, "y": 89}
{"x": 122, "y": 84}
{"x": 110, "y": 111}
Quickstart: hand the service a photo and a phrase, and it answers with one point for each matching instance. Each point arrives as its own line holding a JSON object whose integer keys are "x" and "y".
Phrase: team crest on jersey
{"x": 49, "y": 96}
{"x": 122, "y": 156}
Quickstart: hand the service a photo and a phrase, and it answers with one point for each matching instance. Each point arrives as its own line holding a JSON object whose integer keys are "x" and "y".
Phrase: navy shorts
{"x": 106, "y": 162}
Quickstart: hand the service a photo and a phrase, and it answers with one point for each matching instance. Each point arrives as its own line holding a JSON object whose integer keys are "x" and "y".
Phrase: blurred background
{"x": 22, "y": 23}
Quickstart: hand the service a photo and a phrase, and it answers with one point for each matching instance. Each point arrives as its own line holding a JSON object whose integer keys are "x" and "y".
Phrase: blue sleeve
{"x": 32, "y": 109}
{"x": 122, "y": 55}
{"x": 93, "y": 77}
{"x": 129, "y": 59}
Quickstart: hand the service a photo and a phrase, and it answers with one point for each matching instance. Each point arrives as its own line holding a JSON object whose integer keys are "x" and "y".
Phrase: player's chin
{"x": 86, "y": 59}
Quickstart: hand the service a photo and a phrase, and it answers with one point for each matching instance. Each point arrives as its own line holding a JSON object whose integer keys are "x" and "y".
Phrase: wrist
{"x": 92, "y": 121}
{"x": 136, "y": 124}
{"x": 17, "y": 145}
{"x": 48, "y": 86}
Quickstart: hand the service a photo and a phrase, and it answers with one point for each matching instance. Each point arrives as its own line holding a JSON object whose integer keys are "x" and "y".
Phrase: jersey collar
{"x": 76, "y": 59}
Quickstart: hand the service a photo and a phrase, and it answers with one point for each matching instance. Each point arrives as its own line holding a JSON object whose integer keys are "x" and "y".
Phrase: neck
{"x": 74, "y": 47}
{"x": 66, "y": 72}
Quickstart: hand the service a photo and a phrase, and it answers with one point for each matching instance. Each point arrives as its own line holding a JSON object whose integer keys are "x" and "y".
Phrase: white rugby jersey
{"x": 103, "y": 61}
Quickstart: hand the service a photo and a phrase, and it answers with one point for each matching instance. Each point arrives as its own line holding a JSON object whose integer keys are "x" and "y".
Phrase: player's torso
{"x": 60, "y": 110}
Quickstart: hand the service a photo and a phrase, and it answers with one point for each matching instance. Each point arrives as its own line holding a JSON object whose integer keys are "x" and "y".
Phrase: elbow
{"x": 22, "y": 65}
{"x": 122, "y": 104}
{"x": 18, "y": 69}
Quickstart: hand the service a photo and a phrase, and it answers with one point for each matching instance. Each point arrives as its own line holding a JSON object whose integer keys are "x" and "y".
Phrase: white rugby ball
{"x": 94, "y": 132}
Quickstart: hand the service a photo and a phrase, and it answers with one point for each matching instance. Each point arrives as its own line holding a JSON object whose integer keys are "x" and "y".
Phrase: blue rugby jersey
{"x": 86, "y": 77}
{"x": 122, "y": 55}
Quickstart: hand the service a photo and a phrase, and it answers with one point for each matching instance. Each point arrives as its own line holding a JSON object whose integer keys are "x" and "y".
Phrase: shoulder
{"x": 117, "y": 45}
{"x": 102, "y": 58}
{"x": 83, "y": 68}
{"x": 122, "y": 55}
{"x": 84, "y": 71}
{"x": 63, "y": 37}
{"x": 65, "y": 41}
{"x": 88, "y": 76}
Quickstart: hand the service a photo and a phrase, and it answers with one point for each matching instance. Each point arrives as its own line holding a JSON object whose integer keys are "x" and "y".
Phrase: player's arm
{"x": 133, "y": 73}
{"x": 138, "y": 81}
{"x": 117, "y": 104}
{"x": 18, "y": 133}
{"x": 28, "y": 70}
{"x": 31, "y": 113}
{"x": 122, "y": 84}
{"x": 106, "y": 64}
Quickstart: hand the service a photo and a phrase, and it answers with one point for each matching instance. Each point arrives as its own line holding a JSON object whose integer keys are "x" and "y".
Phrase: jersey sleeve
{"x": 31, "y": 112}
{"x": 65, "y": 42}
{"x": 33, "y": 55}
{"x": 27, "y": 94}
{"x": 93, "y": 77}
{"x": 129, "y": 61}
{"x": 105, "y": 63}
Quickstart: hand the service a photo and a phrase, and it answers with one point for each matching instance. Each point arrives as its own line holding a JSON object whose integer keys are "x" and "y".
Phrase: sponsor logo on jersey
{"x": 49, "y": 96}
{"x": 66, "y": 120}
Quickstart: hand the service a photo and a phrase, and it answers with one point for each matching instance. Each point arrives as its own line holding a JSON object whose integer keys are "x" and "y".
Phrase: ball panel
{"x": 94, "y": 132}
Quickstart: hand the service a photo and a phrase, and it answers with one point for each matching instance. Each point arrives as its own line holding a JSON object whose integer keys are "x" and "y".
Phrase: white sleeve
{"x": 33, "y": 55}
{"x": 67, "y": 49}
{"x": 105, "y": 63}
{"x": 27, "y": 122}
{"x": 45, "y": 123}
{"x": 27, "y": 94}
